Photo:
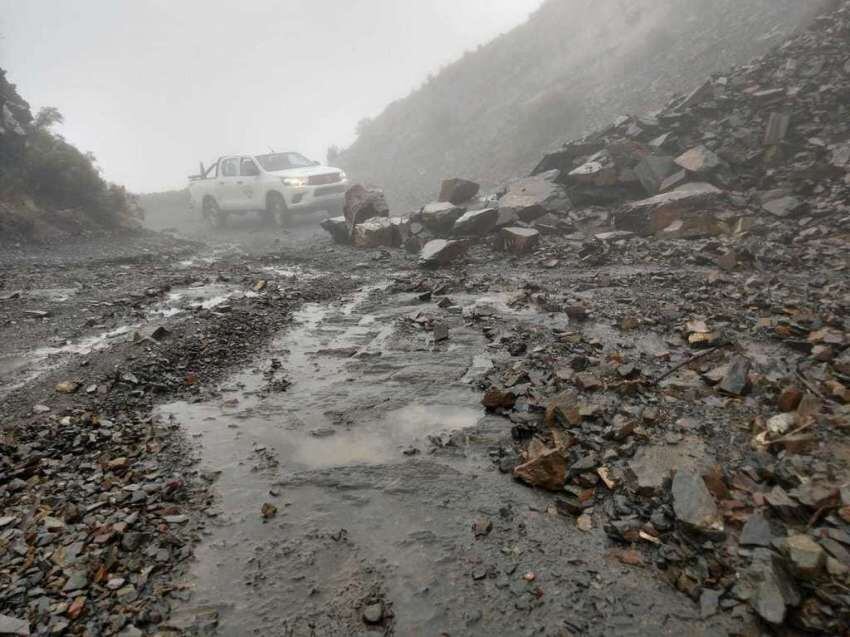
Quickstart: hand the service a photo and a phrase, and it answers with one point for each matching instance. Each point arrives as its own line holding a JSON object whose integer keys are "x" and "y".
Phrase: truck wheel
{"x": 213, "y": 214}
{"x": 276, "y": 208}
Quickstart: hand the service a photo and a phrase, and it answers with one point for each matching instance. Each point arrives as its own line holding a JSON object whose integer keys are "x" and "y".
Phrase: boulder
{"x": 374, "y": 233}
{"x": 440, "y": 217}
{"x": 362, "y": 203}
{"x": 440, "y": 252}
{"x": 476, "y": 222}
{"x": 458, "y": 191}
{"x": 547, "y": 470}
{"x": 532, "y": 197}
{"x": 338, "y": 229}
{"x": 651, "y": 216}
{"x": 519, "y": 240}
{"x": 653, "y": 171}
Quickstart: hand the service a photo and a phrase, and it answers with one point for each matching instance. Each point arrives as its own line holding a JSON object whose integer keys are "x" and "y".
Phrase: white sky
{"x": 153, "y": 86}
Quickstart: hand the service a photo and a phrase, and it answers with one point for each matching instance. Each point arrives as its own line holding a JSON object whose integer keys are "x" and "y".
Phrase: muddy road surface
{"x": 256, "y": 431}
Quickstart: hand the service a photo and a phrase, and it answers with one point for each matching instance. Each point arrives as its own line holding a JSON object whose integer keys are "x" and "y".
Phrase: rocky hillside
{"x": 573, "y": 66}
{"x": 48, "y": 188}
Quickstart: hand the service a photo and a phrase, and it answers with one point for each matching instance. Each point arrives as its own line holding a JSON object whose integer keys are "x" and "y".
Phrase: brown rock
{"x": 458, "y": 191}
{"x": 789, "y": 398}
{"x": 547, "y": 471}
{"x": 495, "y": 398}
{"x": 520, "y": 240}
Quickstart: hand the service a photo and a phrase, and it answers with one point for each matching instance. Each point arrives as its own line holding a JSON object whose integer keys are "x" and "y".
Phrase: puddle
{"x": 352, "y": 394}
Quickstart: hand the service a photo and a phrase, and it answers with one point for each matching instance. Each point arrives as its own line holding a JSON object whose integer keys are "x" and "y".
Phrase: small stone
{"x": 115, "y": 583}
{"x": 693, "y": 504}
{"x": 67, "y": 387}
{"x": 268, "y": 510}
{"x": 373, "y": 613}
{"x": 780, "y": 424}
{"x": 52, "y": 525}
{"x": 13, "y": 626}
{"x": 482, "y": 527}
{"x": 708, "y": 602}
{"x": 737, "y": 377}
{"x": 548, "y": 471}
{"x": 756, "y": 532}
{"x": 176, "y": 519}
{"x": 789, "y": 399}
{"x": 441, "y": 332}
{"x": 806, "y": 556}
{"x": 584, "y": 523}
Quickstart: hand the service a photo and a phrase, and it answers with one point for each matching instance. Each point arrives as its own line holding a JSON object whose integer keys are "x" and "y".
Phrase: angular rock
{"x": 458, "y": 191}
{"x": 654, "y": 170}
{"x": 547, "y": 471}
{"x": 338, "y": 228}
{"x": 13, "y": 626}
{"x": 806, "y": 556}
{"x": 699, "y": 160}
{"x": 736, "y": 380}
{"x": 440, "y": 217}
{"x": 650, "y": 216}
{"x": 773, "y": 589}
{"x": 519, "y": 240}
{"x": 532, "y": 197}
{"x": 783, "y": 206}
{"x": 439, "y": 252}
{"x": 756, "y": 532}
{"x": 476, "y": 222}
{"x": 777, "y": 128}
{"x": 362, "y": 203}
{"x": 374, "y": 233}
{"x": 693, "y": 503}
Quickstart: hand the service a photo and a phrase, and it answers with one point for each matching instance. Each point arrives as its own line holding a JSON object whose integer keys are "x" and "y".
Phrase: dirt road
{"x": 320, "y": 410}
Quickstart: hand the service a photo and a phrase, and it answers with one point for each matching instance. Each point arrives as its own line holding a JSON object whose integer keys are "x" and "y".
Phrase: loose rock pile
{"x": 722, "y": 466}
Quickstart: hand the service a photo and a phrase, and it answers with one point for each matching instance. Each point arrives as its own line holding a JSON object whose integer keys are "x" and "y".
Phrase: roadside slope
{"x": 575, "y": 65}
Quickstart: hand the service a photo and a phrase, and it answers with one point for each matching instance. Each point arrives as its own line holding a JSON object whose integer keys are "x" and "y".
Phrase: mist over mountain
{"x": 573, "y": 66}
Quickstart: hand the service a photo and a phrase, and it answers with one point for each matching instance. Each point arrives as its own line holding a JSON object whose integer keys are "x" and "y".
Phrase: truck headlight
{"x": 294, "y": 182}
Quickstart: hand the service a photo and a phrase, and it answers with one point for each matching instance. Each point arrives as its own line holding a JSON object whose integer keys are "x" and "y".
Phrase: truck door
{"x": 250, "y": 190}
{"x": 227, "y": 186}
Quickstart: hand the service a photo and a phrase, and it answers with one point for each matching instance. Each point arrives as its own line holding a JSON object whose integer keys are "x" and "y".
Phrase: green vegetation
{"x": 38, "y": 164}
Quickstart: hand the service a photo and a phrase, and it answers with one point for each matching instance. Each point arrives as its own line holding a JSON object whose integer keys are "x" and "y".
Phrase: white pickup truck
{"x": 275, "y": 184}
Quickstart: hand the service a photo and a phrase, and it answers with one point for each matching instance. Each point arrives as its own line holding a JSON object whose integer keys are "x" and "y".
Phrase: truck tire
{"x": 276, "y": 208}
{"x": 212, "y": 214}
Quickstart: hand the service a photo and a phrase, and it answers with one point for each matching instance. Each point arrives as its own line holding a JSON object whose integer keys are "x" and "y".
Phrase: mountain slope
{"x": 573, "y": 66}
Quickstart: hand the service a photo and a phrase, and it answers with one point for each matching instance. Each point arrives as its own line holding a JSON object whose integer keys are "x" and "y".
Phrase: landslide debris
{"x": 698, "y": 403}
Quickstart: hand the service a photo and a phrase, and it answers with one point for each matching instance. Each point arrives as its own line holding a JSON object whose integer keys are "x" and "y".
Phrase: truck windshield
{"x": 283, "y": 161}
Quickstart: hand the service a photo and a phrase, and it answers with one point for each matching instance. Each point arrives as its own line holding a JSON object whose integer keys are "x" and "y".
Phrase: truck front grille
{"x": 328, "y": 178}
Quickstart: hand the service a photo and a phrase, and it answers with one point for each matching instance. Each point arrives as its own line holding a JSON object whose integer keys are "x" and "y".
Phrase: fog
{"x": 152, "y": 86}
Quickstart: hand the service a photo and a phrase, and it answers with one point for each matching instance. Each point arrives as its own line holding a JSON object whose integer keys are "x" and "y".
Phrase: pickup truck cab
{"x": 274, "y": 184}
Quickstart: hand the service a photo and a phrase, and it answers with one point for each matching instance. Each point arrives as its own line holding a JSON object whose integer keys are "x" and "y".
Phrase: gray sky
{"x": 153, "y": 86}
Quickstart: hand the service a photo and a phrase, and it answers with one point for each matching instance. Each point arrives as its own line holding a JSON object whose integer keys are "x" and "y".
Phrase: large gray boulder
{"x": 532, "y": 197}
{"x": 363, "y": 203}
{"x": 439, "y": 217}
{"x": 440, "y": 252}
{"x": 458, "y": 191}
{"x": 651, "y": 216}
{"x": 476, "y": 222}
